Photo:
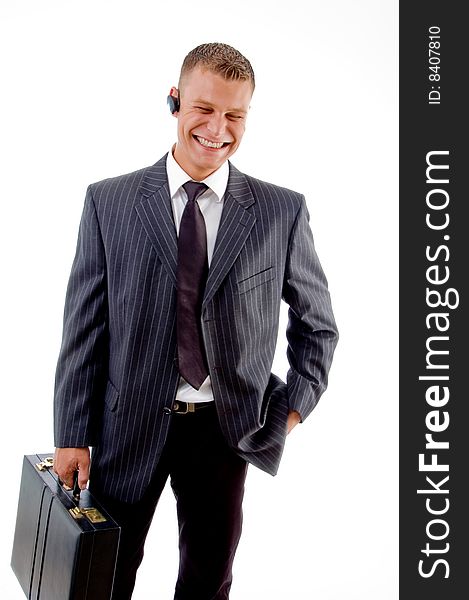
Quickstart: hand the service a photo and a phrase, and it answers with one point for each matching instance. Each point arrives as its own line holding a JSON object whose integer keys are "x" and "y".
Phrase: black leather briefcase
{"x": 64, "y": 548}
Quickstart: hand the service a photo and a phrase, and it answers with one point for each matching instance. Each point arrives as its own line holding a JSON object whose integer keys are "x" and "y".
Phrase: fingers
{"x": 64, "y": 466}
{"x": 294, "y": 418}
{"x": 83, "y": 473}
{"x": 69, "y": 460}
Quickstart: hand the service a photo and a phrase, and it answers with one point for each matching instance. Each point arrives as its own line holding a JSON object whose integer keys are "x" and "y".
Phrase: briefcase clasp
{"x": 92, "y": 514}
{"x": 45, "y": 464}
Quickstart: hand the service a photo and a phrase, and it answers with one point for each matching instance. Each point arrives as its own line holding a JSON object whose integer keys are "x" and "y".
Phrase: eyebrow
{"x": 238, "y": 110}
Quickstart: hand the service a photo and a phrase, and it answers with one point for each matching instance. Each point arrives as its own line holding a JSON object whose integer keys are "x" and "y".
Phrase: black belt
{"x": 184, "y": 408}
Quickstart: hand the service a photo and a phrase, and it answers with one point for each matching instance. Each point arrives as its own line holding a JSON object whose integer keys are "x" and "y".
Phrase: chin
{"x": 210, "y": 162}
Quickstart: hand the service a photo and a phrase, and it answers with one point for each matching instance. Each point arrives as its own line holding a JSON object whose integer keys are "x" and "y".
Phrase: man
{"x": 170, "y": 327}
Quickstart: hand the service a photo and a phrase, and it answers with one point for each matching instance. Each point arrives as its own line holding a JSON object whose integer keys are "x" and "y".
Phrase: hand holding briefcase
{"x": 64, "y": 548}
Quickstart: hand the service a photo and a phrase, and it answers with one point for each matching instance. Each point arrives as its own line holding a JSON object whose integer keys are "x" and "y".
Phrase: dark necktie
{"x": 192, "y": 272}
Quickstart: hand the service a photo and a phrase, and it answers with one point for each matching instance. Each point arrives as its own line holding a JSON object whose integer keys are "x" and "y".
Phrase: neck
{"x": 195, "y": 173}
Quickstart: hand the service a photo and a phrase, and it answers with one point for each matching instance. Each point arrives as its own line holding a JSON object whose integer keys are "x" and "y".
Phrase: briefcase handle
{"x": 76, "y": 488}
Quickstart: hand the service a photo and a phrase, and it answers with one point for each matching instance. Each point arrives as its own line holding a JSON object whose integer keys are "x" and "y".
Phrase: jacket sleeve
{"x": 311, "y": 331}
{"x": 82, "y": 365}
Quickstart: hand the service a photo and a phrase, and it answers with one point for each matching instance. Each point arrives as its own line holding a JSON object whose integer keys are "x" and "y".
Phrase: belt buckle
{"x": 190, "y": 408}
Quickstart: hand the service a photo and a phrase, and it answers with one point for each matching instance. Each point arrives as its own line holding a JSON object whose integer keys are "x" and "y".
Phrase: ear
{"x": 174, "y": 92}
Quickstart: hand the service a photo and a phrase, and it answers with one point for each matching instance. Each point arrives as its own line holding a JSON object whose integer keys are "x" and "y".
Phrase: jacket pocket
{"x": 255, "y": 280}
{"x": 111, "y": 397}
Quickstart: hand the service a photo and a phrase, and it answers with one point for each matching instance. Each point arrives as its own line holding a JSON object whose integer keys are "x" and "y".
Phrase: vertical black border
{"x": 425, "y": 128}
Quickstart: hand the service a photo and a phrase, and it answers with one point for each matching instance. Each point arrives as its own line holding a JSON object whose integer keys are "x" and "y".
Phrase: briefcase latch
{"x": 92, "y": 514}
{"x": 45, "y": 464}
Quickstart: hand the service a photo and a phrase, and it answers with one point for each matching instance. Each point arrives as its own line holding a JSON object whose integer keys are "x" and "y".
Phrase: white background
{"x": 84, "y": 88}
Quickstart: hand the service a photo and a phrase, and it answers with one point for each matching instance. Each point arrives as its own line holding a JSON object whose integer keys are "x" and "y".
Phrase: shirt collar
{"x": 217, "y": 181}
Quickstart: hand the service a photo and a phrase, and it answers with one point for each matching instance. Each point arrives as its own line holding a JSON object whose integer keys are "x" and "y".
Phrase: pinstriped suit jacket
{"x": 117, "y": 365}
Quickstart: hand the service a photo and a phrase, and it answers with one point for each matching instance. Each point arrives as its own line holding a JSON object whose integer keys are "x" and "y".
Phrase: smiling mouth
{"x": 208, "y": 144}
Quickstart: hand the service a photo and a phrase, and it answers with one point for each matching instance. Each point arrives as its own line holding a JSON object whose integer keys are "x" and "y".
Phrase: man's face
{"x": 211, "y": 121}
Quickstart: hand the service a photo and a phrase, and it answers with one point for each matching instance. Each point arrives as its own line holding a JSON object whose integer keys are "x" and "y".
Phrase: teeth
{"x": 209, "y": 144}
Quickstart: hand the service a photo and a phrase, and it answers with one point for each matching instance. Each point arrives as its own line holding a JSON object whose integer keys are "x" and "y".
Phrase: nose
{"x": 216, "y": 125}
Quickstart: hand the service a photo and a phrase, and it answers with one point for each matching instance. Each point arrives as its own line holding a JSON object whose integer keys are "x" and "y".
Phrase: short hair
{"x": 221, "y": 59}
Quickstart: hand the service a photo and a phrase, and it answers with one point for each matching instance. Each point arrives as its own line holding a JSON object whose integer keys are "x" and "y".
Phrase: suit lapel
{"x": 156, "y": 215}
{"x": 235, "y": 225}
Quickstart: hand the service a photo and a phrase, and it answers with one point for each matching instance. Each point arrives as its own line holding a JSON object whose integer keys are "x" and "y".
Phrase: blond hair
{"x": 221, "y": 59}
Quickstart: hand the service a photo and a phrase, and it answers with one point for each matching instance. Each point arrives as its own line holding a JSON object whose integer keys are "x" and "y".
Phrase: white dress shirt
{"x": 211, "y": 207}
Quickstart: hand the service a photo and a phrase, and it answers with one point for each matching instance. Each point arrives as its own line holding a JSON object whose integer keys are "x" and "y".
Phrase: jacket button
{"x": 167, "y": 410}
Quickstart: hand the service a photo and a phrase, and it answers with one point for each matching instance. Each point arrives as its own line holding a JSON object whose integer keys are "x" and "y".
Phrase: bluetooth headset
{"x": 173, "y": 104}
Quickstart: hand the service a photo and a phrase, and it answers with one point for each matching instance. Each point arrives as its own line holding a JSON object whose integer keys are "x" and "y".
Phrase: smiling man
{"x": 170, "y": 328}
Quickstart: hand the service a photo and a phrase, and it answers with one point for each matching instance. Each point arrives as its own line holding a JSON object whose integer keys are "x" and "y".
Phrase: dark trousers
{"x": 207, "y": 479}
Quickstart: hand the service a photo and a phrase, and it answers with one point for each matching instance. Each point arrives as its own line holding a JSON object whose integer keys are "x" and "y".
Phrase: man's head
{"x": 215, "y": 88}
